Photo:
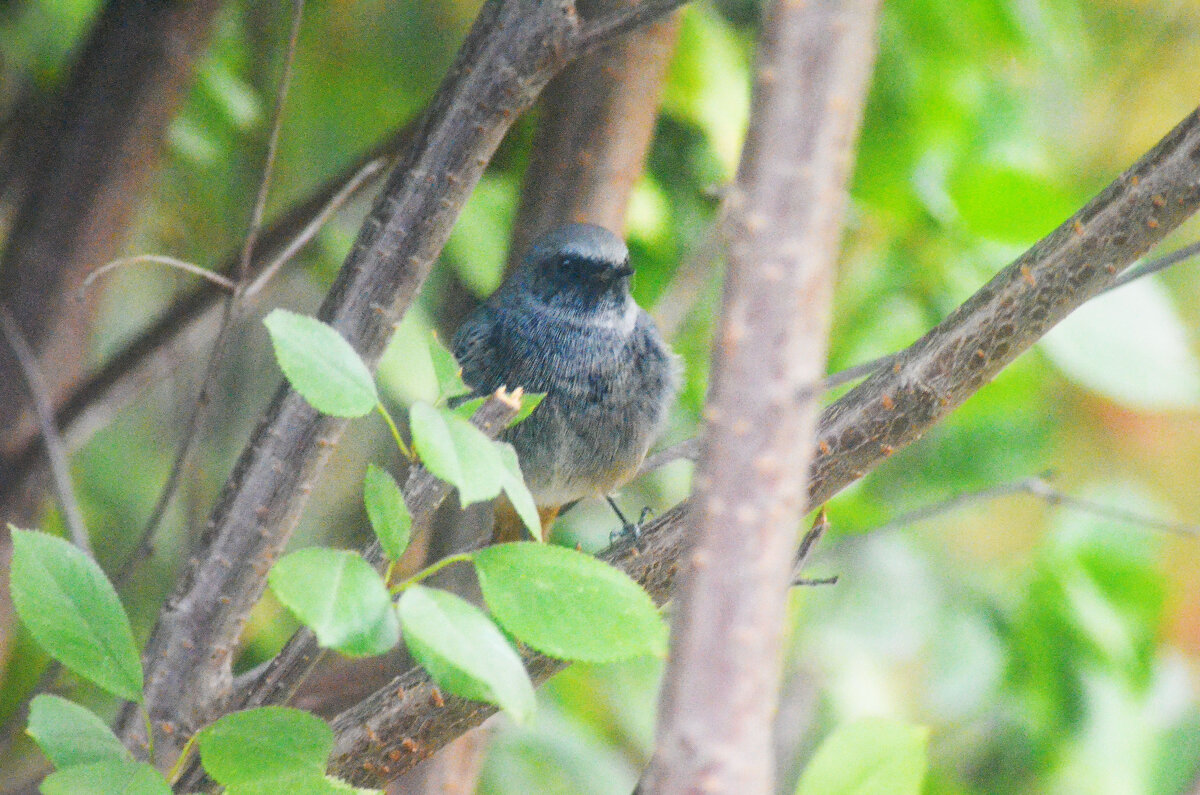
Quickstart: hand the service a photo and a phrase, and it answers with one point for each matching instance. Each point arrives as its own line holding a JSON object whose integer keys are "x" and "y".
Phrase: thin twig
{"x": 160, "y": 259}
{"x": 314, "y": 226}
{"x": 229, "y": 317}
{"x": 60, "y": 470}
{"x": 1039, "y": 486}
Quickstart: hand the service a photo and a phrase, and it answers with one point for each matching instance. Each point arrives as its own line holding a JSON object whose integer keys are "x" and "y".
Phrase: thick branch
{"x": 403, "y": 722}
{"x": 721, "y": 685}
{"x": 512, "y": 50}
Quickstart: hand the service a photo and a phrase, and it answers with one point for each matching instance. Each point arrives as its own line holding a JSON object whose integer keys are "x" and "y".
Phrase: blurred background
{"x": 1048, "y": 649}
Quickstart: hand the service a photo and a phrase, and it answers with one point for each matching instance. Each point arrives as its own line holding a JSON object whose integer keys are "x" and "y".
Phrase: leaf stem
{"x": 177, "y": 768}
{"x": 149, "y": 734}
{"x": 461, "y": 557}
{"x": 395, "y": 431}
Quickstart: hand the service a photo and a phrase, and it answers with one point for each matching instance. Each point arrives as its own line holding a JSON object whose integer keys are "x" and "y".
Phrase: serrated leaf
{"x": 529, "y": 402}
{"x": 463, "y": 651}
{"x": 513, "y": 483}
{"x": 568, "y": 604}
{"x": 268, "y": 745}
{"x": 72, "y": 611}
{"x": 340, "y": 597}
{"x": 112, "y": 777}
{"x": 321, "y": 365}
{"x": 868, "y": 757}
{"x": 446, "y": 368}
{"x": 70, "y": 734}
{"x": 457, "y": 452}
{"x": 1130, "y": 346}
{"x": 387, "y": 511}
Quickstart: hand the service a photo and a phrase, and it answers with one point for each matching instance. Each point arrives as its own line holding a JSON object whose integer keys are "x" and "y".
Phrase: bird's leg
{"x": 630, "y": 531}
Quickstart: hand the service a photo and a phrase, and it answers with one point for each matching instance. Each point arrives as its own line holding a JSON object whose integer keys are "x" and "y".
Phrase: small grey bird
{"x": 564, "y": 323}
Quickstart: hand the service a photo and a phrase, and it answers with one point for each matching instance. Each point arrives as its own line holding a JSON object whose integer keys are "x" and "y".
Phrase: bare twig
{"x": 187, "y": 267}
{"x": 1039, "y": 486}
{"x": 232, "y": 310}
{"x": 512, "y": 50}
{"x": 403, "y": 723}
{"x": 60, "y": 469}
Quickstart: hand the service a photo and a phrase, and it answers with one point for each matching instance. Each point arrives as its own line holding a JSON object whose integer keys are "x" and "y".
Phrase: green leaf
{"x": 513, "y": 483}
{"x": 529, "y": 402}
{"x": 467, "y": 408}
{"x": 340, "y": 597}
{"x": 112, "y": 777}
{"x": 70, "y": 734}
{"x": 568, "y": 604}
{"x": 463, "y": 651}
{"x": 268, "y": 746}
{"x": 1131, "y": 346}
{"x": 446, "y": 368}
{"x": 386, "y": 509}
{"x": 457, "y": 452}
{"x": 1008, "y": 204}
{"x": 321, "y": 365}
{"x": 868, "y": 757}
{"x": 72, "y": 611}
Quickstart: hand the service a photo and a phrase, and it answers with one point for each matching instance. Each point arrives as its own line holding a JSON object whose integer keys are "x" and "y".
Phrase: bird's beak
{"x": 624, "y": 269}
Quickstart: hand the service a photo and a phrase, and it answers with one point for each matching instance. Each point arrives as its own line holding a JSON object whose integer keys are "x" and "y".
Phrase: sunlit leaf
{"x": 340, "y": 597}
{"x": 513, "y": 483}
{"x": 71, "y": 609}
{"x": 457, "y": 452}
{"x": 321, "y": 365}
{"x": 446, "y": 368}
{"x": 71, "y": 734}
{"x": 568, "y": 604}
{"x": 386, "y": 509}
{"x": 463, "y": 651}
{"x": 268, "y": 746}
{"x": 111, "y": 777}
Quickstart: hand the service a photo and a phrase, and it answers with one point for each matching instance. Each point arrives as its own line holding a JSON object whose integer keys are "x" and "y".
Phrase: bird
{"x": 564, "y": 324}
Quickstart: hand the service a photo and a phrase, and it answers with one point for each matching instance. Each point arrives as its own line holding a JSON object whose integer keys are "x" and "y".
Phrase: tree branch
{"x": 721, "y": 685}
{"x": 513, "y": 49}
{"x": 403, "y": 722}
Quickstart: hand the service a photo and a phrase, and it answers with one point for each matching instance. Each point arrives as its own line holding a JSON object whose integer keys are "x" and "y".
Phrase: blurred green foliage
{"x": 1046, "y": 650}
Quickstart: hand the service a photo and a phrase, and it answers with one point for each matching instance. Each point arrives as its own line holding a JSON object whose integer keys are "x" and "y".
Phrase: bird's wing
{"x": 474, "y": 348}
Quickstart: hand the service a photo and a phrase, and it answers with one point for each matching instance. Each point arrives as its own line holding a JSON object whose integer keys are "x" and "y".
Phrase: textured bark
{"x": 720, "y": 689}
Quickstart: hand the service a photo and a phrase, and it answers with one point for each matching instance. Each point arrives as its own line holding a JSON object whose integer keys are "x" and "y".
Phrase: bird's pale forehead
{"x": 585, "y": 241}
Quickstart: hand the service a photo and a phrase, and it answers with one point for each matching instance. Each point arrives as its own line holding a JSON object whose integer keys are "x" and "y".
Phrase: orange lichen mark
{"x": 395, "y": 755}
{"x": 886, "y": 449}
{"x": 1136, "y": 180}
{"x": 1078, "y": 227}
{"x": 436, "y": 698}
{"x": 823, "y": 446}
{"x": 1152, "y": 223}
{"x": 167, "y": 728}
{"x": 400, "y": 694}
{"x": 1027, "y": 275}
{"x": 1158, "y": 200}
{"x": 409, "y": 744}
{"x": 887, "y": 402}
{"x": 1112, "y": 269}
{"x": 979, "y": 352}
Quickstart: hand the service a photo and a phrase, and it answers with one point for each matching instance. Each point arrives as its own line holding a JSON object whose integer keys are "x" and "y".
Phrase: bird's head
{"x": 579, "y": 264}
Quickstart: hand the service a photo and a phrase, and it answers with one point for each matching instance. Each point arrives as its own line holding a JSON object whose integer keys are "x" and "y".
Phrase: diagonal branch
{"x": 404, "y": 722}
{"x": 513, "y": 49}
